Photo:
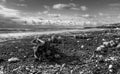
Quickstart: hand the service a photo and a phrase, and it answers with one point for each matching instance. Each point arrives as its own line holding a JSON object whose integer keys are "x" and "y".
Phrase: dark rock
{"x": 2, "y": 60}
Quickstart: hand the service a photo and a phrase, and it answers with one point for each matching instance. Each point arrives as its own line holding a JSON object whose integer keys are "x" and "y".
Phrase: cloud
{"x": 101, "y": 14}
{"x": 61, "y": 6}
{"x": 54, "y": 15}
{"x": 21, "y": 0}
{"x": 7, "y": 12}
{"x": 70, "y": 6}
{"x": 114, "y": 4}
{"x": 46, "y": 7}
{"x": 66, "y": 6}
{"x": 86, "y": 15}
{"x": 75, "y": 8}
{"x": 3, "y": 1}
{"x": 45, "y": 12}
{"x": 83, "y": 8}
{"x": 23, "y": 5}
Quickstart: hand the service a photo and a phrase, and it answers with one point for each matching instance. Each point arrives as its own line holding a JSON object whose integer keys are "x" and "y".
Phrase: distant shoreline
{"x": 21, "y": 34}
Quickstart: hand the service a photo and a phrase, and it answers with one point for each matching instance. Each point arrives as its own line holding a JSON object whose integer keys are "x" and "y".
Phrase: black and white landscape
{"x": 59, "y": 37}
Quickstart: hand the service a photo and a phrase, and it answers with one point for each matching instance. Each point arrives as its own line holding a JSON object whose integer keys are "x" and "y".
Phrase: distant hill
{"x": 116, "y": 25}
{"x": 109, "y": 26}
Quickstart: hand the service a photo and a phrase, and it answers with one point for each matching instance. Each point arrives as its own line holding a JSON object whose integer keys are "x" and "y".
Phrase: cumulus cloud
{"x": 46, "y": 7}
{"x": 71, "y": 6}
{"x": 23, "y": 5}
{"x": 101, "y": 14}
{"x": 86, "y": 15}
{"x": 66, "y": 6}
{"x": 7, "y": 12}
{"x": 83, "y": 8}
{"x": 61, "y": 6}
{"x": 45, "y": 12}
{"x": 54, "y": 15}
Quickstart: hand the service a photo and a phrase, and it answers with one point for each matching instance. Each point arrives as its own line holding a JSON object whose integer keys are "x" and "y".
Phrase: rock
{"x": 59, "y": 37}
{"x": 100, "y": 48}
{"x": 78, "y": 41}
{"x": 112, "y": 43}
{"x": 106, "y": 43}
{"x": 111, "y": 59}
{"x": 82, "y": 46}
{"x": 1, "y": 70}
{"x": 110, "y": 66}
{"x": 88, "y": 39}
{"x": 118, "y": 46}
{"x": 57, "y": 56}
{"x": 117, "y": 38}
{"x": 103, "y": 40}
{"x": 38, "y": 41}
{"x": 13, "y": 60}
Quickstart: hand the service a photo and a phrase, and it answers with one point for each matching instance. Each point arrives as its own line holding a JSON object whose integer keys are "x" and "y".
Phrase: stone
{"x": 13, "y": 60}
{"x": 100, "y": 48}
{"x": 110, "y": 66}
{"x": 118, "y": 46}
{"x": 112, "y": 43}
{"x": 38, "y": 41}
{"x": 82, "y": 46}
{"x": 106, "y": 43}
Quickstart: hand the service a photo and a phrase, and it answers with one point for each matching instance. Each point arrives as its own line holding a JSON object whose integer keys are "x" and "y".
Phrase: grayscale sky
{"x": 104, "y": 10}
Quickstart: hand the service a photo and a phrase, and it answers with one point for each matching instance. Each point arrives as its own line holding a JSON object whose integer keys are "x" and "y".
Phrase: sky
{"x": 95, "y": 10}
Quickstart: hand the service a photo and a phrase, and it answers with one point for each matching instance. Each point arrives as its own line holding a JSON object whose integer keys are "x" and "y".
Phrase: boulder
{"x": 46, "y": 51}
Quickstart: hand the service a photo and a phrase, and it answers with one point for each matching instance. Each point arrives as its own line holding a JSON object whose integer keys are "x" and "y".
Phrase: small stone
{"x": 112, "y": 43}
{"x": 103, "y": 40}
{"x": 13, "y": 60}
{"x": 63, "y": 65}
{"x": 113, "y": 58}
{"x": 118, "y": 46}
{"x": 111, "y": 70}
{"x": 117, "y": 38}
{"x": 88, "y": 39}
{"x": 82, "y": 46}
{"x": 106, "y": 43}
{"x": 110, "y": 66}
{"x": 1, "y": 70}
{"x": 78, "y": 41}
{"x": 100, "y": 56}
{"x": 100, "y": 48}
{"x": 16, "y": 47}
{"x": 57, "y": 56}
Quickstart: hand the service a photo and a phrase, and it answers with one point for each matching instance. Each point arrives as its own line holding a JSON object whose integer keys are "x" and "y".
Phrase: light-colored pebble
{"x": 110, "y": 66}
{"x": 100, "y": 48}
{"x": 82, "y": 46}
{"x": 13, "y": 59}
{"x": 118, "y": 46}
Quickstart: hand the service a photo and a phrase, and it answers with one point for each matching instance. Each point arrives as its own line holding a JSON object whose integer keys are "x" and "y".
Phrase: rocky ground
{"x": 89, "y": 52}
